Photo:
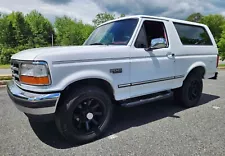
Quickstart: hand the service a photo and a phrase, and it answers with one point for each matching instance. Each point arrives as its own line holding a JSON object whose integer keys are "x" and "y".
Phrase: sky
{"x": 86, "y": 10}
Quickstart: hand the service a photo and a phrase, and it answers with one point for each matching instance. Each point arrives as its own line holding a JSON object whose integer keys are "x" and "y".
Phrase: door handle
{"x": 171, "y": 55}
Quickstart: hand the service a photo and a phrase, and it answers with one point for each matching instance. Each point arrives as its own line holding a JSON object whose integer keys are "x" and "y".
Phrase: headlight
{"x": 34, "y": 73}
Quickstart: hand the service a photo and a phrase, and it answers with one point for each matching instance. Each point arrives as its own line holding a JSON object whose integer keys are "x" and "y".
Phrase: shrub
{"x": 5, "y": 55}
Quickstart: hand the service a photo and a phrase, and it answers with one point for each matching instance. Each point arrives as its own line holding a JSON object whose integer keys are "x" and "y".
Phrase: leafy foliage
{"x": 19, "y": 32}
{"x": 215, "y": 23}
{"x": 221, "y": 44}
{"x": 14, "y": 35}
{"x": 6, "y": 54}
{"x": 42, "y": 30}
{"x": 7, "y": 33}
{"x": 21, "y": 28}
{"x": 71, "y": 32}
{"x": 102, "y": 18}
{"x": 122, "y": 15}
{"x": 195, "y": 17}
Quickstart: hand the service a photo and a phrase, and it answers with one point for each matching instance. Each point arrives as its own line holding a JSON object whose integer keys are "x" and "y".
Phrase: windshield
{"x": 115, "y": 33}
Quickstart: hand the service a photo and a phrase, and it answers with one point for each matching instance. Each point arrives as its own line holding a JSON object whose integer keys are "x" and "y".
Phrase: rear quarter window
{"x": 192, "y": 35}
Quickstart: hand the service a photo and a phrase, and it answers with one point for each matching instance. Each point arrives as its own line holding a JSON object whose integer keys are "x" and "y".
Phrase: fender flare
{"x": 86, "y": 74}
{"x": 193, "y": 66}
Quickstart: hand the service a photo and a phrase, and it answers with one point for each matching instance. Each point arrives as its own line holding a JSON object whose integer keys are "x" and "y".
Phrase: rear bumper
{"x": 33, "y": 104}
{"x": 215, "y": 76}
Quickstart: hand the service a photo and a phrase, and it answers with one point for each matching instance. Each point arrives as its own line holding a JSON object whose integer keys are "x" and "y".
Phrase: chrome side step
{"x": 144, "y": 100}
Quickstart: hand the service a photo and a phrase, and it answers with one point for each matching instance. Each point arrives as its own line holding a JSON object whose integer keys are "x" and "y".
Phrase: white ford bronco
{"x": 127, "y": 61}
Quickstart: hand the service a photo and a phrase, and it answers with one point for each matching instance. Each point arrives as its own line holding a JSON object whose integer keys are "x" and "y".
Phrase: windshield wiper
{"x": 97, "y": 43}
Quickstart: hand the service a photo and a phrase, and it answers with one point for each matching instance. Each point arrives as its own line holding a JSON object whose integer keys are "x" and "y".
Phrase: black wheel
{"x": 190, "y": 93}
{"x": 85, "y": 115}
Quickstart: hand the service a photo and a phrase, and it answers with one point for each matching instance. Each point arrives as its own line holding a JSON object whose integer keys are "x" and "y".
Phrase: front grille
{"x": 15, "y": 70}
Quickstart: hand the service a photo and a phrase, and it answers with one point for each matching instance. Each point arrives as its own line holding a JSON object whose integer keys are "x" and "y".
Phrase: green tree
{"x": 42, "y": 30}
{"x": 65, "y": 31}
{"x": 195, "y": 17}
{"x": 22, "y": 29}
{"x": 215, "y": 23}
{"x": 71, "y": 32}
{"x": 122, "y": 15}
{"x": 8, "y": 41}
{"x": 14, "y": 35}
{"x": 102, "y": 17}
{"x": 221, "y": 44}
{"x": 6, "y": 53}
{"x": 86, "y": 31}
{"x": 7, "y": 33}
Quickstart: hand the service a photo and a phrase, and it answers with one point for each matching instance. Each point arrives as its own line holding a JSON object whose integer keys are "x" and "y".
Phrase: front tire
{"x": 190, "y": 93}
{"x": 85, "y": 115}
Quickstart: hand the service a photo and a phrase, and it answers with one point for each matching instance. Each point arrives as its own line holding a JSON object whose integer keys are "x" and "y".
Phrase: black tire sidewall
{"x": 185, "y": 89}
{"x": 65, "y": 115}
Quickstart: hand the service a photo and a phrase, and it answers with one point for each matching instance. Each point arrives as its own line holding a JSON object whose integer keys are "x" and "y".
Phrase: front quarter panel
{"x": 65, "y": 74}
{"x": 71, "y": 64}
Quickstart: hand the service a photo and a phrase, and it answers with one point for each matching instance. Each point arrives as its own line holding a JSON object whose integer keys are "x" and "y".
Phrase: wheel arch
{"x": 198, "y": 67}
{"x": 98, "y": 82}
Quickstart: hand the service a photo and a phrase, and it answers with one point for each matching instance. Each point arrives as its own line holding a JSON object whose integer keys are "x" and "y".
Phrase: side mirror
{"x": 157, "y": 43}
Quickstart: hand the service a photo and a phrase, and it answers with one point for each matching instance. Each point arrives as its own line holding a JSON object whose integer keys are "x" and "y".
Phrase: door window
{"x": 152, "y": 34}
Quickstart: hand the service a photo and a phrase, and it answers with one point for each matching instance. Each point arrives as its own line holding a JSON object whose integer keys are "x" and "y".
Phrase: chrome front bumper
{"x": 33, "y": 103}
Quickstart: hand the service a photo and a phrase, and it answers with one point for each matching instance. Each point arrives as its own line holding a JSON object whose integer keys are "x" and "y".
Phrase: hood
{"x": 70, "y": 53}
{"x": 31, "y": 54}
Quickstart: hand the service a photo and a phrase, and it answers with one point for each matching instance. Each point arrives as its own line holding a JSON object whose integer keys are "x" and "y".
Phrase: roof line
{"x": 153, "y": 17}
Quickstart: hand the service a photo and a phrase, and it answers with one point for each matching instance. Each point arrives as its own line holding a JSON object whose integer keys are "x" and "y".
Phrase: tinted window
{"x": 141, "y": 41}
{"x": 192, "y": 35}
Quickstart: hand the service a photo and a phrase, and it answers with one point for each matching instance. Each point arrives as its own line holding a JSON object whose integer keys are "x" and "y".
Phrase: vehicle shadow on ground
{"x": 124, "y": 118}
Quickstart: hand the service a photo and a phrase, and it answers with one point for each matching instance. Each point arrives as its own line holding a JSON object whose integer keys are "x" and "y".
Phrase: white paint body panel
{"x": 71, "y": 64}
{"x": 74, "y": 63}
{"x": 151, "y": 65}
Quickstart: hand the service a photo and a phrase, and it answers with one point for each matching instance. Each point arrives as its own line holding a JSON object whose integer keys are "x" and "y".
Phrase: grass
{"x": 222, "y": 65}
{"x": 5, "y": 78}
{"x": 2, "y": 77}
{"x": 4, "y": 66}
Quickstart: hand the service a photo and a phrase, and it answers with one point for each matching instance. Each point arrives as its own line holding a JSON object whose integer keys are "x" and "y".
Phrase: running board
{"x": 144, "y": 100}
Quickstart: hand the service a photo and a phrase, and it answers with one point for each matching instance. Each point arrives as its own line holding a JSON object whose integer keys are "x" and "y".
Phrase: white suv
{"x": 128, "y": 62}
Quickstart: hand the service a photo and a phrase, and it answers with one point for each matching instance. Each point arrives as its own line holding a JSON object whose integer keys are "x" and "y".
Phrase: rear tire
{"x": 190, "y": 93}
{"x": 85, "y": 115}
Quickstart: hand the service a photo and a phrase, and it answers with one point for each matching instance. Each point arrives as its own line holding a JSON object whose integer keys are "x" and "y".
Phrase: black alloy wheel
{"x": 190, "y": 93}
{"x": 89, "y": 115}
{"x": 194, "y": 90}
{"x": 85, "y": 114}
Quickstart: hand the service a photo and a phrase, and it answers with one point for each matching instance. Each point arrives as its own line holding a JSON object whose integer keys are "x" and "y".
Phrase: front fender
{"x": 85, "y": 74}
